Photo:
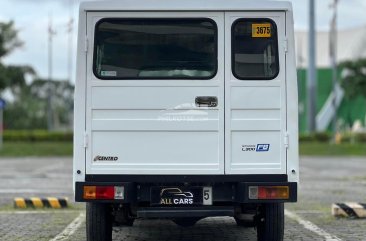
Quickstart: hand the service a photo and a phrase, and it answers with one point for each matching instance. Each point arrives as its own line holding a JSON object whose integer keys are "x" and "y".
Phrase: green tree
{"x": 11, "y": 76}
{"x": 62, "y": 99}
{"x": 353, "y": 78}
{"x": 23, "y": 111}
{"x": 29, "y": 109}
{"x": 9, "y": 40}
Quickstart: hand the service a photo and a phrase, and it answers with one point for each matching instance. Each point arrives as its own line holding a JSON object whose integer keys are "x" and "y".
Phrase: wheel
{"x": 271, "y": 222}
{"x": 244, "y": 223}
{"x": 186, "y": 222}
{"x": 98, "y": 222}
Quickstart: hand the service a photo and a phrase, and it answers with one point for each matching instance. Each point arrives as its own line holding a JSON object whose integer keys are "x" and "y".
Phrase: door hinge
{"x": 285, "y": 45}
{"x": 286, "y": 140}
{"x": 86, "y": 44}
{"x": 85, "y": 140}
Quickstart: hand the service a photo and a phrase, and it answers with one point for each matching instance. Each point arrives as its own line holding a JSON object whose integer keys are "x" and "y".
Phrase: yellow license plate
{"x": 261, "y": 30}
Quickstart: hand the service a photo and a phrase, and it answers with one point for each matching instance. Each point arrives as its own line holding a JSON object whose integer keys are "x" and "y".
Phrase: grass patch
{"x": 7, "y": 207}
{"x": 353, "y": 178}
{"x": 20, "y": 148}
{"x": 326, "y": 149}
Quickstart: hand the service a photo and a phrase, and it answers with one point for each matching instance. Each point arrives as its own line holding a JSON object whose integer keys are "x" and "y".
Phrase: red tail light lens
{"x": 104, "y": 192}
{"x": 269, "y": 192}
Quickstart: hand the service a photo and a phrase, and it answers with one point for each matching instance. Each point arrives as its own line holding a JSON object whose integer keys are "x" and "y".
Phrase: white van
{"x": 186, "y": 110}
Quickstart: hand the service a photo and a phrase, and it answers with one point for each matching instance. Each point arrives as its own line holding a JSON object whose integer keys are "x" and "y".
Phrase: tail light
{"x": 104, "y": 192}
{"x": 269, "y": 192}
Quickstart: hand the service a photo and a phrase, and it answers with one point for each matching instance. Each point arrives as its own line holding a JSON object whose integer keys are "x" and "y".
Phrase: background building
{"x": 351, "y": 46}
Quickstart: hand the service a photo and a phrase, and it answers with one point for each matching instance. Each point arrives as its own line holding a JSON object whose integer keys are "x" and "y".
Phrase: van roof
{"x": 186, "y": 5}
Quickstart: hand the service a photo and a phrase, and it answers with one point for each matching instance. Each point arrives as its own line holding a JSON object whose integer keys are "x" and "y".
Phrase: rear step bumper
{"x": 201, "y": 212}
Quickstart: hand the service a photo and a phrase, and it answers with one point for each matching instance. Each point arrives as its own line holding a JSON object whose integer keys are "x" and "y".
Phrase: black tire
{"x": 98, "y": 222}
{"x": 186, "y": 222}
{"x": 244, "y": 223}
{"x": 271, "y": 222}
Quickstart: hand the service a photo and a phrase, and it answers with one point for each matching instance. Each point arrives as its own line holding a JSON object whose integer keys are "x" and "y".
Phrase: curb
{"x": 35, "y": 202}
{"x": 353, "y": 210}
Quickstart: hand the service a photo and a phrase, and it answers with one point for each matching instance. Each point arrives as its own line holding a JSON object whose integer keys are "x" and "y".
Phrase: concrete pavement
{"x": 323, "y": 181}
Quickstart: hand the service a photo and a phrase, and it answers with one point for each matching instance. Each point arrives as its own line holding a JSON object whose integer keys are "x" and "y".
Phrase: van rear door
{"x": 163, "y": 97}
{"x": 255, "y": 93}
{"x": 155, "y": 93}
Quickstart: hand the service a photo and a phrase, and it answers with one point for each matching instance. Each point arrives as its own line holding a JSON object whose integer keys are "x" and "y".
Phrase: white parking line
{"x": 70, "y": 229}
{"x": 312, "y": 227}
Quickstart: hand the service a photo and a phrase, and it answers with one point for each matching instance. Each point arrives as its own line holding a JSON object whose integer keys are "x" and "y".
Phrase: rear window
{"x": 254, "y": 49}
{"x": 155, "y": 49}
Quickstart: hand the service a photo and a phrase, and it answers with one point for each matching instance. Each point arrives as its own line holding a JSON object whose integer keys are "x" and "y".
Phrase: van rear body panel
{"x": 185, "y": 99}
{"x": 155, "y": 127}
{"x": 255, "y": 108}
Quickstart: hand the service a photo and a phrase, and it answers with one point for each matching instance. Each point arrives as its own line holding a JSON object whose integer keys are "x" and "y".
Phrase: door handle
{"x": 206, "y": 101}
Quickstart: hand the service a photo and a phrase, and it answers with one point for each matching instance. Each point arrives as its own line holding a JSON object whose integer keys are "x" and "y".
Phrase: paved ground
{"x": 323, "y": 181}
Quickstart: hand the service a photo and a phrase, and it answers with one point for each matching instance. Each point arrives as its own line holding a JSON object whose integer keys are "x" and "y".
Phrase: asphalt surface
{"x": 323, "y": 182}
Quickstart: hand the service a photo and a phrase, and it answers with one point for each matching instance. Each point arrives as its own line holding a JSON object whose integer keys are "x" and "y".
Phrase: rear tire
{"x": 271, "y": 222}
{"x": 98, "y": 222}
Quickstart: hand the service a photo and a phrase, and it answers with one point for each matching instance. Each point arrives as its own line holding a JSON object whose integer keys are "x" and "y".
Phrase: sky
{"x": 31, "y": 18}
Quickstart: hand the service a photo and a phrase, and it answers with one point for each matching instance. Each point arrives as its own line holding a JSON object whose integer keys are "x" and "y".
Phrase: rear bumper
{"x": 227, "y": 190}
{"x": 191, "y": 212}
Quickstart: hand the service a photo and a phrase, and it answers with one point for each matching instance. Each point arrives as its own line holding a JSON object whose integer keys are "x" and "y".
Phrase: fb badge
{"x": 262, "y": 147}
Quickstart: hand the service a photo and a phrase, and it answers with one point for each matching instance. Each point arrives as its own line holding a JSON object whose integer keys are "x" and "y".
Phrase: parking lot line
{"x": 71, "y": 228}
{"x": 312, "y": 227}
